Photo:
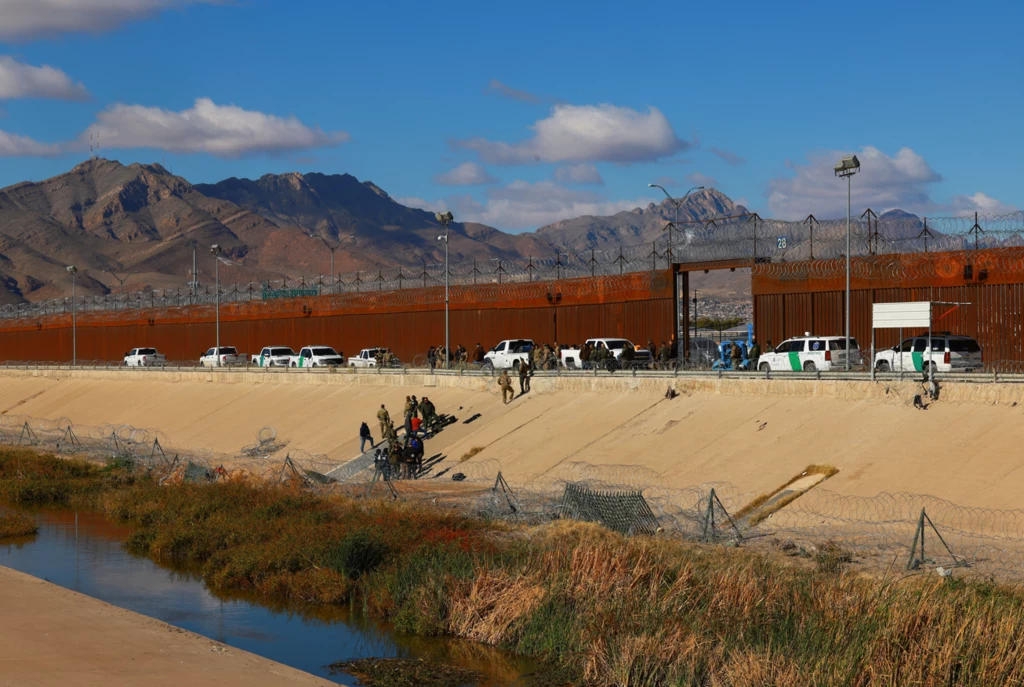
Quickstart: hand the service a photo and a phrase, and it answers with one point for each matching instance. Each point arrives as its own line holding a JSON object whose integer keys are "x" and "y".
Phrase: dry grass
{"x": 17, "y": 525}
{"x": 608, "y": 610}
{"x": 470, "y": 453}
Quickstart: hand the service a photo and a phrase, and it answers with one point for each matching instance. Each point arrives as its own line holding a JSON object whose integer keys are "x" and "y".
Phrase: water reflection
{"x": 82, "y": 551}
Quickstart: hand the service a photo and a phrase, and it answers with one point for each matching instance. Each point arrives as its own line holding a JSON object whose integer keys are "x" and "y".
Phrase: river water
{"x": 83, "y": 552}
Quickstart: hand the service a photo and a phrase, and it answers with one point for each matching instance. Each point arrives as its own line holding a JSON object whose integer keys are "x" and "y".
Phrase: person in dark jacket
{"x": 754, "y": 354}
{"x": 736, "y": 356}
{"x": 524, "y": 377}
{"x": 364, "y": 436}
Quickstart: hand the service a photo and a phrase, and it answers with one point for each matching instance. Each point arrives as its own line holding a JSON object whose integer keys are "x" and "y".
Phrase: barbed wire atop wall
{"x": 773, "y": 247}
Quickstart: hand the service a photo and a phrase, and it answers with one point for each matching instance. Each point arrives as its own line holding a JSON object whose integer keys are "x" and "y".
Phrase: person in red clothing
{"x": 416, "y": 425}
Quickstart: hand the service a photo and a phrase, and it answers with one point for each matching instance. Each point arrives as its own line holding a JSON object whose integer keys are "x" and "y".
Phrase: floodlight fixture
{"x": 848, "y": 166}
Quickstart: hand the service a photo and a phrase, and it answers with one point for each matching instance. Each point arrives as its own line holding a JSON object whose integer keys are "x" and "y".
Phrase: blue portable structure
{"x": 724, "y": 361}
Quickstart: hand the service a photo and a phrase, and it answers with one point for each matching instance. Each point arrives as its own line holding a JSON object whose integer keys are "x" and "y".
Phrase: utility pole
{"x": 216, "y": 250}
{"x": 74, "y": 317}
{"x": 675, "y": 204}
{"x": 446, "y": 220}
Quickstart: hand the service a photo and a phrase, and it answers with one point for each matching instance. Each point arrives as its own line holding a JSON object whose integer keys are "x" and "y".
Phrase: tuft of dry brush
{"x": 17, "y": 525}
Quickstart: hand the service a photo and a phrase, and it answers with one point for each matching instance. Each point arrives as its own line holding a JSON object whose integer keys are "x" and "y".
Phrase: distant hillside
{"x": 634, "y": 227}
{"x": 140, "y": 220}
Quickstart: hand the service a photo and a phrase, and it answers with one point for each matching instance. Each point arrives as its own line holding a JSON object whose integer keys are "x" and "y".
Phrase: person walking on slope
{"x": 524, "y": 377}
{"x": 364, "y": 436}
{"x": 506, "y": 387}
{"x": 384, "y": 419}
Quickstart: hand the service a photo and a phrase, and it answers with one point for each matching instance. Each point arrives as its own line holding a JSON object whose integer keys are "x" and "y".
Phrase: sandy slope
{"x": 754, "y": 434}
{"x": 54, "y": 636}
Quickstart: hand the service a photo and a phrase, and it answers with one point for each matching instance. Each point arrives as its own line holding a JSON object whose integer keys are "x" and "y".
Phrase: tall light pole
{"x": 74, "y": 317}
{"x": 445, "y": 219}
{"x": 216, "y": 250}
{"x": 847, "y": 167}
{"x": 121, "y": 280}
{"x": 676, "y": 204}
{"x": 333, "y": 249}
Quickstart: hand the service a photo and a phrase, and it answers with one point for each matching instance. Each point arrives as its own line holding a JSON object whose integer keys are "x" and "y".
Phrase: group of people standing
{"x": 458, "y": 356}
{"x": 404, "y": 456}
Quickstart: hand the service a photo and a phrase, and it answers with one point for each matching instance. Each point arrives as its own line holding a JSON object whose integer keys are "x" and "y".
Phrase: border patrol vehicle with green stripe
{"x": 809, "y": 354}
{"x": 274, "y": 356}
{"x": 949, "y": 353}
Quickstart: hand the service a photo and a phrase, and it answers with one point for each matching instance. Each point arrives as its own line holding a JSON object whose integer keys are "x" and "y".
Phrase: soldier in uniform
{"x": 415, "y": 407}
{"x": 506, "y": 387}
{"x": 524, "y": 377}
{"x": 408, "y": 406}
{"x": 753, "y": 354}
{"x": 427, "y": 408}
{"x": 383, "y": 418}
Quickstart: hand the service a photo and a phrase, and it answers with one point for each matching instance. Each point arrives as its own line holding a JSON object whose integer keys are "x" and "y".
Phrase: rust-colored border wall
{"x": 637, "y": 306}
{"x": 793, "y": 298}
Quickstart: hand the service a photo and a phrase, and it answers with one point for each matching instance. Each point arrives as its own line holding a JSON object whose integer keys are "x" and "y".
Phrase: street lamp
{"x": 847, "y": 167}
{"x": 216, "y": 250}
{"x": 333, "y": 249}
{"x": 74, "y": 317}
{"x": 675, "y": 203}
{"x": 445, "y": 219}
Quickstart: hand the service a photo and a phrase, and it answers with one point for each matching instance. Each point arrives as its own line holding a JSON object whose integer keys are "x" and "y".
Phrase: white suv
{"x": 317, "y": 356}
{"x": 274, "y": 356}
{"x": 949, "y": 353}
{"x": 810, "y": 353}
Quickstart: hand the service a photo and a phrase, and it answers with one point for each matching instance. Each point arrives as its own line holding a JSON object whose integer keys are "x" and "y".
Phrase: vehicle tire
{"x": 352, "y": 365}
{"x": 764, "y": 367}
{"x": 809, "y": 366}
{"x": 932, "y": 369}
{"x": 315, "y": 365}
{"x": 487, "y": 367}
{"x": 883, "y": 366}
{"x": 570, "y": 363}
{"x": 293, "y": 364}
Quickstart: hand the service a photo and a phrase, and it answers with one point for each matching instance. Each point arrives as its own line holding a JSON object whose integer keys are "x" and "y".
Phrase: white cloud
{"x": 586, "y": 133}
{"x": 729, "y": 157}
{"x": 222, "y": 130}
{"x": 884, "y": 182}
{"x": 582, "y": 173}
{"x": 525, "y": 205}
{"x": 420, "y": 203}
{"x": 698, "y": 179}
{"x": 465, "y": 174}
{"x": 981, "y": 203}
{"x": 19, "y": 80}
{"x": 13, "y": 145}
{"x": 507, "y": 91}
{"x": 23, "y": 19}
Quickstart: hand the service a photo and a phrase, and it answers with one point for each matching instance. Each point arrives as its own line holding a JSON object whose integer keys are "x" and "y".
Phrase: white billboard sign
{"x": 896, "y": 315}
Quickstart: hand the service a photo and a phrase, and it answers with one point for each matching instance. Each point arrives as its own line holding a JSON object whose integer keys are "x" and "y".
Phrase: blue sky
{"x": 520, "y": 115}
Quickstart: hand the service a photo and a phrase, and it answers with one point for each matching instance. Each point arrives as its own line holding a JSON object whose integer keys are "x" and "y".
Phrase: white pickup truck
{"x": 571, "y": 356}
{"x": 317, "y": 356}
{"x": 508, "y": 353}
{"x": 144, "y": 357}
{"x": 366, "y": 358}
{"x": 274, "y": 356}
{"x": 227, "y": 355}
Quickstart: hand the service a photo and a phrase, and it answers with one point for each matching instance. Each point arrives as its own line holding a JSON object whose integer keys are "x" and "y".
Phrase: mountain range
{"x": 133, "y": 227}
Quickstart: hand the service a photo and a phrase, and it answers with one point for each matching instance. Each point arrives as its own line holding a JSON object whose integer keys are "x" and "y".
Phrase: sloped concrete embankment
{"x": 753, "y": 433}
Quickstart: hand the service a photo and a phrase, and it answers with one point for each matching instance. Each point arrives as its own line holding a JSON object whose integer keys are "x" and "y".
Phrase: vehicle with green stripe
{"x": 947, "y": 353}
{"x": 809, "y": 353}
{"x": 274, "y": 356}
{"x": 318, "y": 356}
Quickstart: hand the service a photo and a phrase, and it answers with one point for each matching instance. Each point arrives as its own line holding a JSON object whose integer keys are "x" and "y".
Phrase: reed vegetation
{"x": 606, "y": 609}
